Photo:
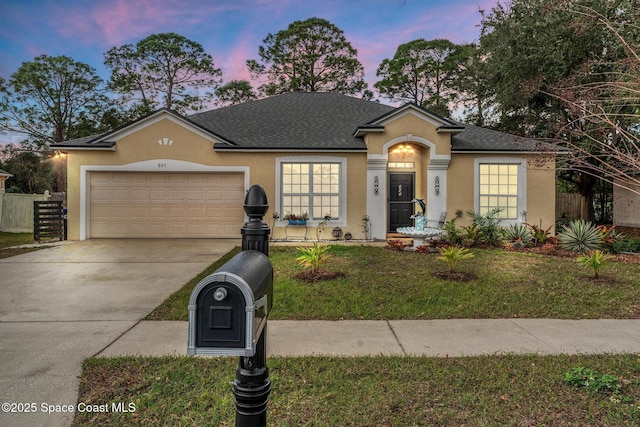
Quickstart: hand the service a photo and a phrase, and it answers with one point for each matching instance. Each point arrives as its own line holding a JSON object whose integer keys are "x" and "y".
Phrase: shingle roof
{"x": 299, "y": 120}
{"x": 475, "y": 138}
{"x": 315, "y": 121}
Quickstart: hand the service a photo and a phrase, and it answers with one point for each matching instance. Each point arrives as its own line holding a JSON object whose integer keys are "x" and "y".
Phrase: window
{"x": 500, "y": 185}
{"x": 401, "y": 165}
{"x": 312, "y": 187}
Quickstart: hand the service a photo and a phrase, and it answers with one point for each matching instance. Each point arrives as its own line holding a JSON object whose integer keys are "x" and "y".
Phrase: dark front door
{"x": 401, "y": 192}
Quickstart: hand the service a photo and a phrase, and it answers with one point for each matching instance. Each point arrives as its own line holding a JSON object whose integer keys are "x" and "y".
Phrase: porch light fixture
{"x": 436, "y": 184}
{"x": 404, "y": 150}
{"x": 376, "y": 185}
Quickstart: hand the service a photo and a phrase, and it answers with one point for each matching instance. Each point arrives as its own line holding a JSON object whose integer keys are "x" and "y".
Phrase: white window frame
{"x": 342, "y": 211}
{"x": 521, "y": 162}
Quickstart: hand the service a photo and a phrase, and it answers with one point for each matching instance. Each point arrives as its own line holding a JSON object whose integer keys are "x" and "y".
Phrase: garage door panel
{"x": 140, "y": 194}
{"x": 177, "y": 178}
{"x": 196, "y": 196}
{"x": 233, "y": 212}
{"x": 119, "y": 179}
{"x": 157, "y": 195}
{"x": 158, "y": 213}
{"x": 197, "y": 213}
{"x": 158, "y": 178}
{"x": 176, "y": 213}
{"x": 177, "y": 195}
{"x": 148, "y": 204}
{"x": 214, "y": 195}
{"x": 134, "y": 212}
{"x": 233, "y": 195}
{"x": 118, "y": 195}
{"x": 102, "y": 195}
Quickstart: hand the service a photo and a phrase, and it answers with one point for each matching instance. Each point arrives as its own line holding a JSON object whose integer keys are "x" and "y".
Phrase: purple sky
{"x": 230, "y": 30}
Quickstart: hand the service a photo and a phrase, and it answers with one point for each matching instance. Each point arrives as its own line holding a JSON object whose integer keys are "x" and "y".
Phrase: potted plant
{"x": 295, "y": 219}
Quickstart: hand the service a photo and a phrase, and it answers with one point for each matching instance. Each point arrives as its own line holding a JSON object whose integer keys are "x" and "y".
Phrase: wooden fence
{"x": 570, "y": 205}
{"x": 16, "y": 212}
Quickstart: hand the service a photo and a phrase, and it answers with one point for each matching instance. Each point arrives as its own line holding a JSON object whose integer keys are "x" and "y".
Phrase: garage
{"x": 165, "y": 205}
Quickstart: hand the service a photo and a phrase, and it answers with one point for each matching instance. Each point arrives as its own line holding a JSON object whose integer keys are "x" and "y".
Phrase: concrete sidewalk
{"x": 438, "y": 338}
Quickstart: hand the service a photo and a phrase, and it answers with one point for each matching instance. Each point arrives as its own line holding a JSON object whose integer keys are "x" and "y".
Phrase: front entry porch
{"x": 409, "y": 168}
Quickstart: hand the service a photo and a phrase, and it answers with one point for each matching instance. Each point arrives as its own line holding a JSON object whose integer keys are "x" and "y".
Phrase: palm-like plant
{"x": 518, "y": 234}
{"x": 313, "y": 256}
{"x": 594, "y": 260}
{"x": 580, "y": 236}
{"x": 454, "y": 254}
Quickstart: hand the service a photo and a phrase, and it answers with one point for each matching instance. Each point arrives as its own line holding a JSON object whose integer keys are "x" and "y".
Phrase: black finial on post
{"x": 255, "y": 232}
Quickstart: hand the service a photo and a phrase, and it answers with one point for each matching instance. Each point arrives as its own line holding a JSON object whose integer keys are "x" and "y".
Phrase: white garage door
{"x": 174, "y": 205}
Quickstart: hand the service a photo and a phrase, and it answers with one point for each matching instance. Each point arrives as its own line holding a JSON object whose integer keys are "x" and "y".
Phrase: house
{"x": 626, "y": 203}
{"x": 4, "y": 175}
{"x": 167, "y": 175}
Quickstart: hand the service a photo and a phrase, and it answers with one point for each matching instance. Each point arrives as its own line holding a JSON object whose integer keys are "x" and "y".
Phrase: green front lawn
{"x": 7, "y": 240}
{"x": 384, "y": 284}
{"x": 369, "y": 391}
{"x": 396, "y": 391}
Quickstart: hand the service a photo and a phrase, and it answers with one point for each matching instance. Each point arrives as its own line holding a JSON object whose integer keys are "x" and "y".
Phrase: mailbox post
{"x": 252, "y": 385}
{"x": 228, "y": 313}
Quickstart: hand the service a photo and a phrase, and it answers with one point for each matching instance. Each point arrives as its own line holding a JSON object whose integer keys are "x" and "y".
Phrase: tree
{"x": 472, "y": 83}
{"x": 52, "y": 99}
{"x": 529, "y": 47}
{"x": 235, "y": 92}
{"x": 165, "y": 70}
{"x": 309, "y": 56}
{"x": 31, "y": 171}
{"x": 605, "y": 136}
{"x": 422, "y": 71}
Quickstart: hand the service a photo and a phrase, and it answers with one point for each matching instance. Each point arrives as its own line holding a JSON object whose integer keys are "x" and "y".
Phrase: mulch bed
{"x": 455, "y": 276}
{"x": 311, "y": 277}
{"x": 562, "y": 253}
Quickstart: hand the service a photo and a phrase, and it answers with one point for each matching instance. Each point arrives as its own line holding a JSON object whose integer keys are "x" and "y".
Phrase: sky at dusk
{"x": 229, "y": 30}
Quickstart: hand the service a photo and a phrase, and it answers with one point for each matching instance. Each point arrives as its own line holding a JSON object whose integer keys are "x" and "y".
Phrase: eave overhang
{"x": 226, "y": 148}
{"x": 363, "y": 130}
{"x": 107, "y": 141}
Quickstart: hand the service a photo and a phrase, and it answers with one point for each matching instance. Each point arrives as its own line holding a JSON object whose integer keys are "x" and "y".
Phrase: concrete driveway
{"x": 63, "y": 304}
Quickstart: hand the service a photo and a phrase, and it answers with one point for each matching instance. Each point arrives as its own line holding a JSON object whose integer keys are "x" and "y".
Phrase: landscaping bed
{"x": 386, "y": 284}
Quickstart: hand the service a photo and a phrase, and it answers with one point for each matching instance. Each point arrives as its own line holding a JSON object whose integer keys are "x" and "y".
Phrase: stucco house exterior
{"x": 167, "y": 175}
{"x": 626, "y": 204}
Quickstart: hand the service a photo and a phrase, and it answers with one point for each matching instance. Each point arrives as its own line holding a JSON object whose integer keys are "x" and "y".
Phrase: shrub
{"x": 627, "y": 244}
{"x": 396, "y": 245}
{"x": 454, "y": 254}
{"x": 313, "y": 257}
{"x": 540, "y": 235}
{"x": 488, "y": 226}
{"x": 595, "y": 260}
{"x": 472, "y": 235}
{"x": 517, "y": 235}
{"x": 580, "y": 236}
{"x": 453, "y": 233}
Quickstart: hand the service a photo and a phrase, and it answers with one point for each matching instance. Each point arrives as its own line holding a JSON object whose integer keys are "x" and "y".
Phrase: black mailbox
{"x": 228, "y": 309}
